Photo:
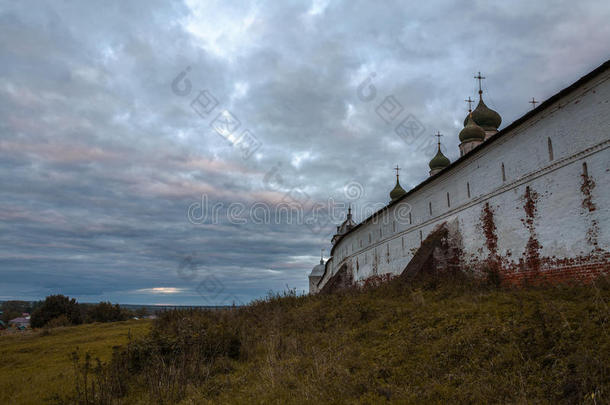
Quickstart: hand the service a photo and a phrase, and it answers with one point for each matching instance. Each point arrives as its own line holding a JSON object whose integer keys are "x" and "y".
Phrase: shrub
{"x": 60, "y": 321}
{"x": 53, "y": 307}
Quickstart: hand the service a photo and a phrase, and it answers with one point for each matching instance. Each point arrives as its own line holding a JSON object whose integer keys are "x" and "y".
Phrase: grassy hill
{"x": 433, "y": 341}
{"x": 36, "y": 365}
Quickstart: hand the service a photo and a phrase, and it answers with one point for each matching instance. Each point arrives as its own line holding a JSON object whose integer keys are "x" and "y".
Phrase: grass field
{"x": 431, "y": 341}
{"x": 35, "y": 365}
{"x": 428, "y": 342}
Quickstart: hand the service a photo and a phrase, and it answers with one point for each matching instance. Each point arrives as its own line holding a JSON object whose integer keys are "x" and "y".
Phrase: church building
{"x": 530, "y": 201}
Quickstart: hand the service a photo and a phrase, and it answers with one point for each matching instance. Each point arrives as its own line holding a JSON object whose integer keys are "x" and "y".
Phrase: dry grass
{"x": 451, "y": 341}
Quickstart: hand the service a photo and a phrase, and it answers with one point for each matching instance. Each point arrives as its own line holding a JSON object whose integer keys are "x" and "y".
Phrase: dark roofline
{"x": 544, "y": 105}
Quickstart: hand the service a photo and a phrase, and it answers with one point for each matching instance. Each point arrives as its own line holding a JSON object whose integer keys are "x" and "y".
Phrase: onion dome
{"x": 485, "y": 117}
{"x": 439, "y": 161}
{"x": 471, "y": 131}
{"x": 397, "y": 191}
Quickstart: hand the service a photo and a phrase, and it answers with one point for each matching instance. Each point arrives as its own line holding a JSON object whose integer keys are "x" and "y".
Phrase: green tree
{"x": 106, "y": 312}
{"x": 53, "y": 307}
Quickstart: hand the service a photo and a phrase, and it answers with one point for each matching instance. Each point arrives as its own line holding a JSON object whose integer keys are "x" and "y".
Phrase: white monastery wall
{"x": 570, "y": 224}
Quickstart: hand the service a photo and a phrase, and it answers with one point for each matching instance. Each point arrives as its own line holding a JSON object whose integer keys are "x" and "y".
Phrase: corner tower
{"x": 316, "y": 274}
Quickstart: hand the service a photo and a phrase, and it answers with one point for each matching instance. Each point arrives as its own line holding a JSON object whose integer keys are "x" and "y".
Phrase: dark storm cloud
{"x": 100, "y": 159}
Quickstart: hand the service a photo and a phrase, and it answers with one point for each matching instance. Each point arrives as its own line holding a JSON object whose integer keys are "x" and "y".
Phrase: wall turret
{"x": 397, "y": 191}
{"x": 439, "y": 161}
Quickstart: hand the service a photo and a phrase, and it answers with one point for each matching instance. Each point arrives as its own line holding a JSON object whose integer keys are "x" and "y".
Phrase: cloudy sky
{"x": 146, "y": 147}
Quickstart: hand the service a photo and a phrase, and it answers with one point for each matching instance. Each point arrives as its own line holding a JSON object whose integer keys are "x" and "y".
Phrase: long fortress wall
{"x": 534, "y": 201}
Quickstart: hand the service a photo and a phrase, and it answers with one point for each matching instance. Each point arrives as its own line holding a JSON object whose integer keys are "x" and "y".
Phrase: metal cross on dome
{"x": 438, "y": 135}
{"x": 533, "y": 103}
{"x": 469, "y": 101}
{"x": 479, "y": 78}
{"x": 397, "y": 169}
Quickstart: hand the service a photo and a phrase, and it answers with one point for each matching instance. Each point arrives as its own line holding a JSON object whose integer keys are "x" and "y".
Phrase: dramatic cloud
{"x": 121, "y": 180}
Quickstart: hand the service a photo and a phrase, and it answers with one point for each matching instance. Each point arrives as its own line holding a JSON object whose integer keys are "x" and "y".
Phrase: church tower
{"x": 484, "y": 116}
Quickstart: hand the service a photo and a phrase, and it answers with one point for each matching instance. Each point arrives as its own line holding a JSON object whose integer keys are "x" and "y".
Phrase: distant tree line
{"x": 60, "y": 310}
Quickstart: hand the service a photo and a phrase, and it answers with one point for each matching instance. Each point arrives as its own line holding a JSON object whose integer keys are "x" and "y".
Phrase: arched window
{"x": 550, "y": 144}
{"x": 468, "y": 189}
{"x": 448, "y": 202}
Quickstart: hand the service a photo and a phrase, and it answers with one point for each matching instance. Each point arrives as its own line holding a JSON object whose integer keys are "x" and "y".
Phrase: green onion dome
{"x": 471, "y": 132}
{"x": 397, "y": 192}
{"x": 439, "y": 161}
{"x": 485, "y": 117}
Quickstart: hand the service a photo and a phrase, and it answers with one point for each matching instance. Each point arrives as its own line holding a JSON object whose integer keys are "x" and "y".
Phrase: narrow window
{"x": 550, "y": 149}
{"x": 503, "y": 173}
{"x": 393, "y": 226}
{"x": 421, "y": 237}
{"x": 387, "y": 253}
{"x": 369, "y": 238}
{"x": 468, "y": 189}
{"x": 585, "y": 171}
{"x": 360, "y": 242}
{"x": 448, "y": 202}
{"x": 403, "y": 243}
{"x": 380, "y": 232}
{"x": 410, "y": 219}
{"x": 430, "y": 207}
